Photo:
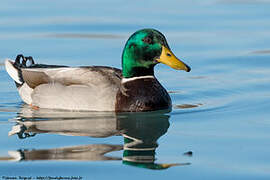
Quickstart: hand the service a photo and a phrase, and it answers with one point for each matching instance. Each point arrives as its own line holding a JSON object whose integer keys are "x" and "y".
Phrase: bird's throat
{"x": 131, "y": 71}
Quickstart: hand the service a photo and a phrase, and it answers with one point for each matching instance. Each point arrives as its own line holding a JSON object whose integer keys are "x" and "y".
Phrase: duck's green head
{"x": 143, "y": 50}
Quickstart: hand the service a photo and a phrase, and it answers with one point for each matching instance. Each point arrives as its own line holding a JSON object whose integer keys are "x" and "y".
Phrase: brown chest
{"x": 142, "y": 95}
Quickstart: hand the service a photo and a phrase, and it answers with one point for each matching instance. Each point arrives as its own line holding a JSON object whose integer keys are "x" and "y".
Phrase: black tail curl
{"x": 21, "y": 61}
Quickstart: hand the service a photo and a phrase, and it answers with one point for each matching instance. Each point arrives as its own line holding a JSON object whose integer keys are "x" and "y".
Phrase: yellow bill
{"x": 168, "y": 58}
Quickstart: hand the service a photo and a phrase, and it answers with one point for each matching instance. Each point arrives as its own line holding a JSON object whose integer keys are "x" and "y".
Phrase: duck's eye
{"x": 147, "y": 40}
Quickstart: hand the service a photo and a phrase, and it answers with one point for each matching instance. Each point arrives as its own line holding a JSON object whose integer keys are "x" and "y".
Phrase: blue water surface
{"x": 218, "y": 128}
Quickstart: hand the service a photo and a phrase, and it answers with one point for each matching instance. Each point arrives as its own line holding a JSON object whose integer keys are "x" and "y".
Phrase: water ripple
{"x": 85, "y": 36}
{"x": 261, "y": 52}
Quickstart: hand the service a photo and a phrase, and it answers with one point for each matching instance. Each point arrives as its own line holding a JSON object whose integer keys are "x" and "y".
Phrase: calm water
{"x": 221, "y": 108}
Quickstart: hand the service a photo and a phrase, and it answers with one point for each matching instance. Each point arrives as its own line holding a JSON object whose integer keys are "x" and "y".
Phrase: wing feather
{"x": 82, "y": 88}
{"x": 71, "y": 76}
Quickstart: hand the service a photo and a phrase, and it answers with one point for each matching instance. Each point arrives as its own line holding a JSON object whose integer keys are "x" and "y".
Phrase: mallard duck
{"x": 100, "y": 88}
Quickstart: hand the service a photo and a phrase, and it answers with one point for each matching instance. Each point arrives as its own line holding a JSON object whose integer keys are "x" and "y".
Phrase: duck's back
{"x": 85, "y": 88}
{"x": 91, "y": 88}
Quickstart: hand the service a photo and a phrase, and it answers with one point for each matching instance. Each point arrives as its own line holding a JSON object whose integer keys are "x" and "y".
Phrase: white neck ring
{"x": 124, "y": 80}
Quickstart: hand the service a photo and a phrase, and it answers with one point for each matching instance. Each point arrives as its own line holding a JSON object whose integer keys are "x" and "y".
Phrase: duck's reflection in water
{"x": 139, "y": 130}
